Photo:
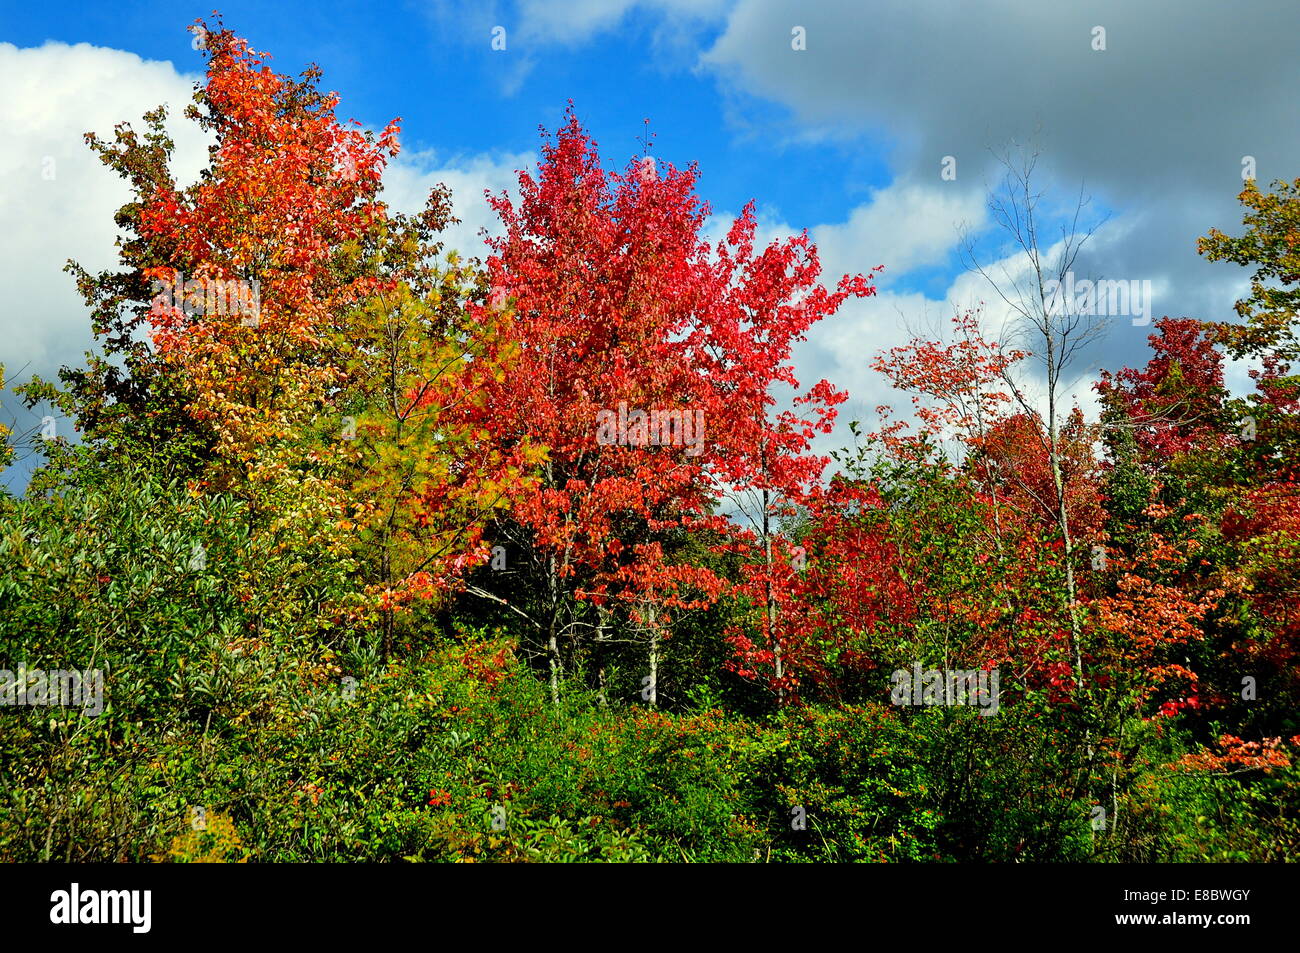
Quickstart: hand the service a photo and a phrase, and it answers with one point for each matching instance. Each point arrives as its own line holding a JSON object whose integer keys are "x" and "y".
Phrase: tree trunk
{"x": 552, "y": 640}
{"x": 654, "y": 660}
{"x": 770, "y": 600}
{"x": 601, "y": 697}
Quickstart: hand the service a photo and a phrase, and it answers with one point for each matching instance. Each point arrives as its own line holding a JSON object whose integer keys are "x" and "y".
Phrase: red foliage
{"x": 623, "y": 308}
{"x": 1176, "y": 401}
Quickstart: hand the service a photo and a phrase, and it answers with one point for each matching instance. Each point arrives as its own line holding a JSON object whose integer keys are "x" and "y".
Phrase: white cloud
{"x": 411, "y": 175}
{"x": 1143, "y": 124}
{"x": 903, "y": 227}
{"x": 532, "y": 26}
{"x": 57, "y": 200}
{"x": 570, "y": 22}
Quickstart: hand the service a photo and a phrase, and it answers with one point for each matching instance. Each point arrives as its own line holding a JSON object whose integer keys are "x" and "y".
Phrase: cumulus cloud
{"x": 57, "y": 200}
{"x": 411, "y": 176}
{"x": 570, "y": 22}
{"x": 903, "y": 227}
{"x": 909, "y": 226}
{"x": 528, "y": 29}
{"x": 1156, "y": 124}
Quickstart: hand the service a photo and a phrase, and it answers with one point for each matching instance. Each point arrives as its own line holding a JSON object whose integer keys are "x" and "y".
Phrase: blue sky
{"x": 845, "y": 136}
{"x": 437, "y": 70}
